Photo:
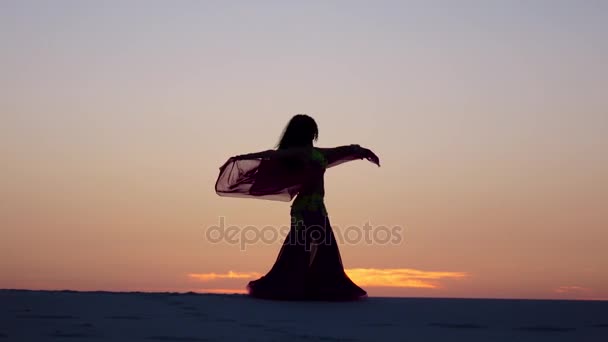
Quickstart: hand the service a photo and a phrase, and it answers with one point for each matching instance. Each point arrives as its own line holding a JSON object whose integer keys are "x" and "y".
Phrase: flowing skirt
{"x": 309, "y": 266}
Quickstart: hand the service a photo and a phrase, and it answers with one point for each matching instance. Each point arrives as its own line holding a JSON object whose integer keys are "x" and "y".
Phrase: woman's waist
{"x": 308, "y": 202}
{"x": 304, "y": 196}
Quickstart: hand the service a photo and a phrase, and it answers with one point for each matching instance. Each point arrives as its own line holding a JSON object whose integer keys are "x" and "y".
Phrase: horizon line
{"x": 236, "y": 293}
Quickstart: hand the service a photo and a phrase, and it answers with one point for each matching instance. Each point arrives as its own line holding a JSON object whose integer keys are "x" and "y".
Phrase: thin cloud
{"x": 572, "y": 289}
{"x": 229, "y": 275}
{"x": 223, "y": 291}
{"x": 372, "y": 277}
{"x": 400, "y": 277}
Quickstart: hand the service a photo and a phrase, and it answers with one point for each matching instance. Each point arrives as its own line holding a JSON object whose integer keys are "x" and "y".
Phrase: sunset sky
{"x": 490, "y": 119}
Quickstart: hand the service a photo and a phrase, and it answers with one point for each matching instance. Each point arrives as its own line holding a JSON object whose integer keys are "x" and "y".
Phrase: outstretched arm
{"x": 256, "y": 155}
{"x": 342, "y": 154}
{"x": 286, "y": 153}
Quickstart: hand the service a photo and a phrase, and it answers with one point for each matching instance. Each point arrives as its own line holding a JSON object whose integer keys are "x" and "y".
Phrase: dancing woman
{"x": 309, "y": 266}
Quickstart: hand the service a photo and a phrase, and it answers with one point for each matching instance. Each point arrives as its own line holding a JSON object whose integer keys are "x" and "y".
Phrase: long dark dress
{"x": 309, "y": 266}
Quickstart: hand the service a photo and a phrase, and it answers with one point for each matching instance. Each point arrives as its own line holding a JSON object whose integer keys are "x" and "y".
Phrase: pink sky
{"x": 490, "y": 122}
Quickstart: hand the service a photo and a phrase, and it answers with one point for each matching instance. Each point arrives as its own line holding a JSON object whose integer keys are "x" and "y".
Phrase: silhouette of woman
{"x": 308, "y": 266}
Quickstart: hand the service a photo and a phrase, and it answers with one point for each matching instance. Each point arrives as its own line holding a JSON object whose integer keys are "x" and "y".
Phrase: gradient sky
{"x": 490, "y": 118}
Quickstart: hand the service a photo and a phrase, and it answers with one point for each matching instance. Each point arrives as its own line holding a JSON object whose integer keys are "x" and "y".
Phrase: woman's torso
{"x": 312, "y": 191}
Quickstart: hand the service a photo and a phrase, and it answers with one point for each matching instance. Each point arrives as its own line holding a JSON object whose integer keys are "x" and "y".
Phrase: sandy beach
{"x": 134, "y": 316}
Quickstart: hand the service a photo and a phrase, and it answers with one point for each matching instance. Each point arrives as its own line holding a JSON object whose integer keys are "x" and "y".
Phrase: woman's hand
{"x": 371, "y": 156}
{"x": 367, "y": 154}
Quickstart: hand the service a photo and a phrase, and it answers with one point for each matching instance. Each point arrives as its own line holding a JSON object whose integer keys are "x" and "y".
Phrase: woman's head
{"x": 300, "y": 131}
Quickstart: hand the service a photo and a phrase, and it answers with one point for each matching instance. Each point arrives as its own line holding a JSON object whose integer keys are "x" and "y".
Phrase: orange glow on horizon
{"x": 230, "y": 275}
{"x": 400, "y": 277}
{"x": 223, "y": 291}
{"x": 371, "y": 277}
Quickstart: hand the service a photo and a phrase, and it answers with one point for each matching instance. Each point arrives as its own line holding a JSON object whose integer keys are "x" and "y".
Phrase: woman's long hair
{"x": 301, "y": 131}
